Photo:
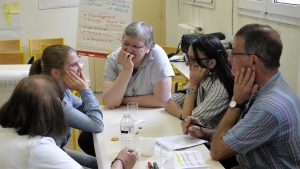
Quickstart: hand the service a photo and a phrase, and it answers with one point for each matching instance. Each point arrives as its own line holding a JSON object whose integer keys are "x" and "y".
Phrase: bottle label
{"x": 124, "y": 131}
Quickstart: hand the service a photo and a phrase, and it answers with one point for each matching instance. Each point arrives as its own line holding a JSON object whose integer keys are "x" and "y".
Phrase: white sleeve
{"x": 46, "y": 155}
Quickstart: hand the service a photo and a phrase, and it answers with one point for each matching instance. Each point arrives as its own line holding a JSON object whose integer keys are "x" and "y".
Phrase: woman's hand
{"x": 129, "y": 157}
{"x": 74, "y": 82}
{"x": 197, "y": 74}
{"x": 125, "y": 59}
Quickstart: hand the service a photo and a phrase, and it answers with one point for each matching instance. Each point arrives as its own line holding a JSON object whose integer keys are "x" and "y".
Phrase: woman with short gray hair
{"x": 139, "y": 71}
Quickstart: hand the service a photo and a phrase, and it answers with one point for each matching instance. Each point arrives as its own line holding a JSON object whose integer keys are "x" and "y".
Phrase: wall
{"x": 225, "y": 18}
{"x": 62, "y": 22}
{"x": 50, "y": 23}
{"x": 209, "y": 19}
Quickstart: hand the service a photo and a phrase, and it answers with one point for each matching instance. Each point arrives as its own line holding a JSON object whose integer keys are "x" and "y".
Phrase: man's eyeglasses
{"x": 126, "y": 44}
{"x": 241, "y": 53}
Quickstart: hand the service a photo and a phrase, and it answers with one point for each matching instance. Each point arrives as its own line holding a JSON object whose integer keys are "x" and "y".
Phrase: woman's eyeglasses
{"x": 136, "y": 47}
{"x": 188, "y": 59}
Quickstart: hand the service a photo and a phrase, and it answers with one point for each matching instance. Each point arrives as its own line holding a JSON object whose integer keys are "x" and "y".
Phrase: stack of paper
{"x": 178, "y": 142}
{"x": 176, "y": 58}
{"x": 189, "y": 160}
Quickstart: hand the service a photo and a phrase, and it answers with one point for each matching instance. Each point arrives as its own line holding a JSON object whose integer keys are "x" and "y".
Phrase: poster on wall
{"x": 101, "y": 24}
{"x": 10, "y": 19}
{"x": 10, "y": 12}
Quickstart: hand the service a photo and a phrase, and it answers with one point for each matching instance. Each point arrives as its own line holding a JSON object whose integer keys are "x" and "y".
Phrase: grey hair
{"x": 142, "y": 31}
{"x": 263, "y": 41}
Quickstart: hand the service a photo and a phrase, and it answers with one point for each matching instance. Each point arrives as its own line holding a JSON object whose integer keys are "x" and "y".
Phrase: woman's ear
{"x": 147, "y": 50}
{"x": 55, "y": 73}
{"x": 212, "y": 63}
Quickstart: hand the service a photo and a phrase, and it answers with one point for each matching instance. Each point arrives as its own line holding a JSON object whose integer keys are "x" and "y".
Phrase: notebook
{"x": 189, "y": 160}
{"x": 178, "y": 142}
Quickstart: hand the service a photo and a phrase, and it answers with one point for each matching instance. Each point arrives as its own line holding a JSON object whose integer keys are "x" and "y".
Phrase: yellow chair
{"x": 11, "y": 45}
{"x": 12, "y": 58}
{"x": 75, "y": 132}
{"x": 75, "y": 135}
{"x": 35, "y": 45}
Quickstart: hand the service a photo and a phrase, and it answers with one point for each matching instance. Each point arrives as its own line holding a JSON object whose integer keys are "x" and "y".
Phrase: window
{"x": 286, "y": 11}
{"x": 203, "y": 3}
{"x": 291, "y": 2}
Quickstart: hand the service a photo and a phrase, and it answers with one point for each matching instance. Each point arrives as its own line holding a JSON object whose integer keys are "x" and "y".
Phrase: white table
{"x": 157, "y": 124}
{"x": 183, "y": 69}
{"x": 10, "y": 75}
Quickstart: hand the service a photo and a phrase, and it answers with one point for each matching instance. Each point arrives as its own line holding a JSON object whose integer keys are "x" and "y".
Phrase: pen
{"x": 195, "y": 124}
{"x": 155, "y": 166}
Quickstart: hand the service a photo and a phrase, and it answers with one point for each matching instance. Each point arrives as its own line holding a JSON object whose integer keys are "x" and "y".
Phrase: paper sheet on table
{"x": 189, "y": 160}
{"x": 176, "y": 58}
{"x": 178, "y": 142}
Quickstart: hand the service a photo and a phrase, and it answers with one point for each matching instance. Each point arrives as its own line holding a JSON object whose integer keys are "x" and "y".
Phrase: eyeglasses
{"x": 243, "y": 53}
{"x": 188, "y": 59}
{"x": 240, "y": 53}
{"x": 135, "y": 47}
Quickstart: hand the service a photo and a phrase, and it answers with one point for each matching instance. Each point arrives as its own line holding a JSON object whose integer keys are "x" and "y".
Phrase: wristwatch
{"x": 191, "y": 90}
{"x": 234, "y": 104}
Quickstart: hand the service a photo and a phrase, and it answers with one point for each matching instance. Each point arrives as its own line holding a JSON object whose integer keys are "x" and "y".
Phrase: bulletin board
{"x": 101, "y": 24}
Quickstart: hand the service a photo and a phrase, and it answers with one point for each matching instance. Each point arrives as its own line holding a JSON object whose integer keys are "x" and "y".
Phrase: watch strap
{"x": 240, "y": 105}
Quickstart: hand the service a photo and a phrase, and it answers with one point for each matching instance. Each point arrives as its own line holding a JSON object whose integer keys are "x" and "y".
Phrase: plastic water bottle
{"x": 127, "y": 131}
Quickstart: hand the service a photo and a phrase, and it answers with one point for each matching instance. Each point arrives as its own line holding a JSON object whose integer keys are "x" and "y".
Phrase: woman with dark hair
{"x": 29, "y": 121}
{"x": 62, "y": 63}
{"x": 209, "y": 90}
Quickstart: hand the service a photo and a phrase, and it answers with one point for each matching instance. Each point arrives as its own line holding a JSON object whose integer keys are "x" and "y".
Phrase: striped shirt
{"x": 268, "y": 135}
{"x": 212, "y": 101}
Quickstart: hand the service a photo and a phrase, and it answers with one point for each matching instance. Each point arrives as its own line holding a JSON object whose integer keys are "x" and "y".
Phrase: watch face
{"x": 189, "y": 90}
{"x": 232, "y": 103}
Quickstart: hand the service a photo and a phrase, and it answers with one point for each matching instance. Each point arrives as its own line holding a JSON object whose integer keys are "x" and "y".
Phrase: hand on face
{"x": 125, "y": 59}
{"x": 244, "y": 85}
{"x": 75, "y": 82}
{"x": 197, "y": 74}
{"x": 128, "y": 156}
{"x": 189, "y": 128}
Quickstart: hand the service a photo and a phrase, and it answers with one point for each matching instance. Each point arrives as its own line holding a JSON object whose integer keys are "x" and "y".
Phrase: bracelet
{"x": 116, "y": 159}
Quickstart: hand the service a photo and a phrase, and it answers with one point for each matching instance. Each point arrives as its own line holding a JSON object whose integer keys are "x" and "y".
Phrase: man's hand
{"x": 244, "y": 85}
{"x": 188, "y": 127}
